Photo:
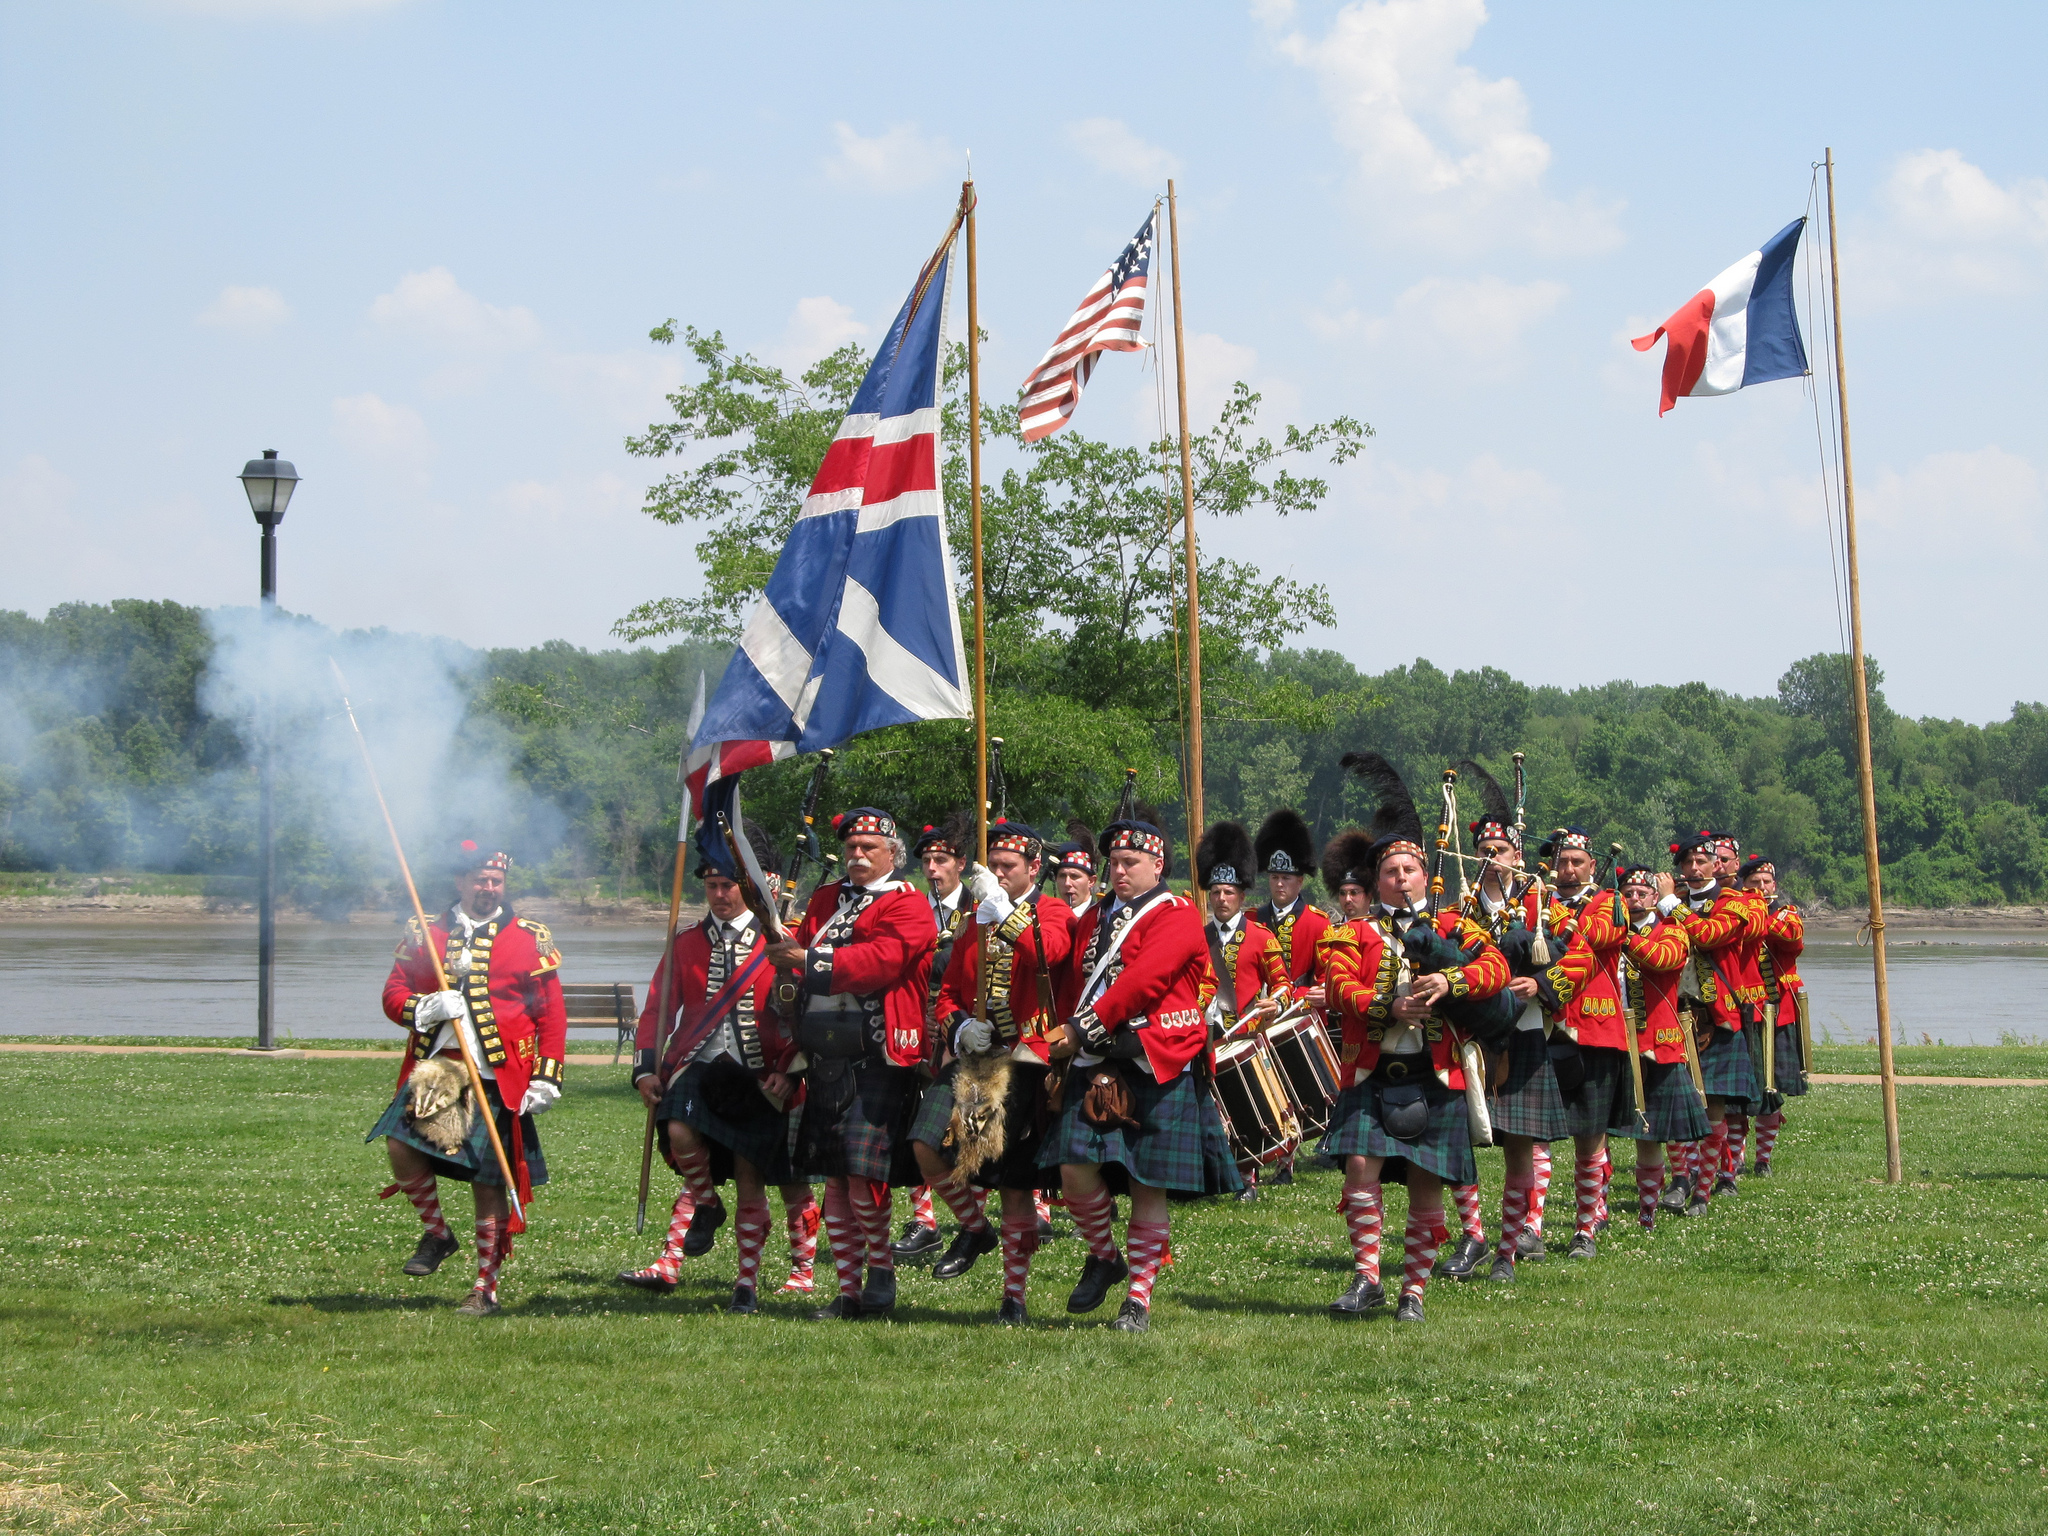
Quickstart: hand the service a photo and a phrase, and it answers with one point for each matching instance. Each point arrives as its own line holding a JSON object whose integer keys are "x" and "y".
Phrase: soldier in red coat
{"x": 721, "y": 1090}
{"x": 1653, "y": 962}
{"x": 504, "y": 996}
{"x": 1285, "y": 852}
{"x": 861, "y": 961}
{"x": 1750, "y": 961}
{"x": 1073, "y": 870}
{"x": 1784, "y": 999}
{"x": 1135, "y": 1116}
{"x": 1247, "y": 977}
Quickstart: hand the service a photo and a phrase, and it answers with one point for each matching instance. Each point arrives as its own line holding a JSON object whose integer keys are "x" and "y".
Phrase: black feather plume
{"x": 1394, "y": 808}
{"x": 1493, "y": 801}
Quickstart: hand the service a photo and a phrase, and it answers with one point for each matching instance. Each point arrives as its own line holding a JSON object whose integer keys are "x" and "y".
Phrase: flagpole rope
{"x": 1831, "y": 509}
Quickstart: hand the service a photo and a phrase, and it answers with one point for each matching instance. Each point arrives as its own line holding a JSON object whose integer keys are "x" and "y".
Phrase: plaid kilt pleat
{"x": 1444, "y": 1148}
{"x": 1728, "y": 1069}
{"x": 720, "y": 1102}
{"x": 1791, "y": 1073}
{"x": 935, "y": 1111}
{"x": 1528, "y": 1103}
{"x": 861, "y": 1131}
{"x": 1179, "y": 1146}
{"x": 1675, "y": 1110}
{"x": 1606, "y": 1104}
{"x": 475, "y": 1162}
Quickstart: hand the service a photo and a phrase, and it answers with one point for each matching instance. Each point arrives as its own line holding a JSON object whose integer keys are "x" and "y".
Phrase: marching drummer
{"x": 1240, "y": 948}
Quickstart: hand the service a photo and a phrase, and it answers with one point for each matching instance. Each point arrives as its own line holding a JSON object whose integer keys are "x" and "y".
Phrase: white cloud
{"x": 432, "y": 306}
{"x": 1967, "y": 502}
{"x": 1108, "y": 144}
{"x": 1446, "y": 157}
{"x": 1215, "y": 367}
{"x": 1946, "y": 225}
{"x": 280, "y": 10}
{"x": 817, "y": 326}
{"x": 573, "y": 501}
{"x": 893, "y": 161}
{"x": 251, "y": 311}
{"x": 393, "y": 437}
{"x": 1476, "y": 323}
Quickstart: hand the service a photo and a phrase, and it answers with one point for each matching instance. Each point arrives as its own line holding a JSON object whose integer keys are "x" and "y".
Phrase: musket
{"x": 1126, "y": 807}
{"x": 1539, "y": 948}
{"x": 1628, "y": 1028}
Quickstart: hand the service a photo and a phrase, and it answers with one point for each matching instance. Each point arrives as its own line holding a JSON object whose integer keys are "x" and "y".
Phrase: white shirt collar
{"x": 471, "y": 924}
{"x": 1228, "y": 930}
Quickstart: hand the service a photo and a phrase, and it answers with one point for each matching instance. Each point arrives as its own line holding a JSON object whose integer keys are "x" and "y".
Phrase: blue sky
{"x": 417, "y": 244}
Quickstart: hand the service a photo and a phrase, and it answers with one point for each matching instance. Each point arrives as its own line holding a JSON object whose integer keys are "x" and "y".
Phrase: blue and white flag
{"x": 858, "y": 628}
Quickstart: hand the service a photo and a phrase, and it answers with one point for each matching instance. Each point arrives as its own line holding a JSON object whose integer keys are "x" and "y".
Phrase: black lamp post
{"x": 269, "y": 482}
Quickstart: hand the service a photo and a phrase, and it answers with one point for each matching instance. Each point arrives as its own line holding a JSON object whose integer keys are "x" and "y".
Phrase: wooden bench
{"x": 603, "y": 1005}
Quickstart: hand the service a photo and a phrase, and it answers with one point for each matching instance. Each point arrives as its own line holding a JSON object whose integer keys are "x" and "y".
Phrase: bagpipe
{"x": 1487, "y": 1020}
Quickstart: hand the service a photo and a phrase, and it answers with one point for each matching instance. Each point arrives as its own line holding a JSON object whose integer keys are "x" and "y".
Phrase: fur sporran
{"x": 1107, "y": 1103}
{"x": 439, "y": 1104}
{"x": 977, "y": 1134}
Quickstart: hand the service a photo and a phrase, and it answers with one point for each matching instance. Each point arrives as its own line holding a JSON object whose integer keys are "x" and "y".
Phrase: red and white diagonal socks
{"x": 1042, "y": 1206}
{"x": 1145, "y": 1247}
{"x": 844, "y": 1232}
{"x": 1767, "y": 1128}
{"x": 695, "y": 1167}
{"x": 1418, "y": 1250}
{"x": 670, "y": 1265}
{"x": 1514, "y": 1214}
{"x": 870, "y": 1200}
{"x": 921, "y": 1207}
{"x": 426, "y": 1199}
{"x": 1468, "y": 1211}
{"x": 1020, "y": 1241}
{"x": 1606, "y": 1183}
{"x": 1093, "y": 1215}
{"x": 1713, "y": 1154}
{"x": 801, "y": 1221}
{"x": 1649, "y": 1187}
{"x": 751, "y": 1220}
{"x": 1539, "y": 1191}
{"x": 1586, "y": 1170}
{"x": 1362, "y": 1218}
{"x": 493, "y": 1244}
{"x": 968, "y": 1205}
{"x": 1738, "y": 1135}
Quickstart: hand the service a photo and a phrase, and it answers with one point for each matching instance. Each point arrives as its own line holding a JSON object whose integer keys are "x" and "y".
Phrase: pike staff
{"x": 668, "y": 954}
{"x": 476, "y": 1079}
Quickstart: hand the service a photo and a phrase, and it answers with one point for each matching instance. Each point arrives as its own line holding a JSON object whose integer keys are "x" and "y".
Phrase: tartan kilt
{"x": 856, "y": 1123}
{"x": 475, "y": 1163}
{"x": 1528, "y": 1103}
{"x": 1791, "y": 1073}
{"x": 1606, "y": 1104}
{"x": 1179, "y": 1146}
{"x": 1444, "y": 1148}
{"x": 720, "y": 1101}
{"x": 1675, "y": 1111}
{"x": 1023, "y": 1130}
{"x": 1728, "y": 1068}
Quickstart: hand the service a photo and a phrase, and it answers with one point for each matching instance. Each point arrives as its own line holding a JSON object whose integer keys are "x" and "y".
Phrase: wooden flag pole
{"x": 1187, "y": 498}
{"x": 667, "y": 992}
{"x": 1887, "y": 1073}
{"x": 967, "y": 204}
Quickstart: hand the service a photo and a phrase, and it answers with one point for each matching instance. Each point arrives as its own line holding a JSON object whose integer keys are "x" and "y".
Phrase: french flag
{"x": 1740, "y": 329}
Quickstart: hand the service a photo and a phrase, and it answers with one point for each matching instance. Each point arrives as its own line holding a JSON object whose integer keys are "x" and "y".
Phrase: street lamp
{"x": 270, "y": 482}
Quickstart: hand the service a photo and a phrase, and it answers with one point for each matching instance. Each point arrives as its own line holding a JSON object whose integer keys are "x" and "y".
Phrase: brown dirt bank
{"x": 187, "y": 909}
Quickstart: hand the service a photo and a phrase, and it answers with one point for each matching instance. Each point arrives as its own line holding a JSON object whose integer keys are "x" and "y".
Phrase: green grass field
{"x": 202, "y": 1327}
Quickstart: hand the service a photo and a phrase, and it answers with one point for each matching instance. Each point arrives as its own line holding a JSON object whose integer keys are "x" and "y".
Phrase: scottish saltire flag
{"x": 1109, "y": 320}
{"x": 1739, "y": 330}
{"x": 704, "y": 766}
{"x": 858, "y": 627}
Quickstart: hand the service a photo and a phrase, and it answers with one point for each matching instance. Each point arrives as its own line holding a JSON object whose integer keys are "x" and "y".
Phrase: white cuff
{"x": 1666, "y": 905}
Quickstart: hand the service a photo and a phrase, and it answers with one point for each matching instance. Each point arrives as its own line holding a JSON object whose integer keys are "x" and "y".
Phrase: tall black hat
{"x": 1348, "y": 860}
{"x": 1285, "y": 846}
{"x": 1395, "y": 824}
{"x": 1224, "y": 856}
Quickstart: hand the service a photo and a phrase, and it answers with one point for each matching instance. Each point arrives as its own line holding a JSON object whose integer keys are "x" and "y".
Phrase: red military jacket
{"x": 1155, "y": 978}
{"x": 759, "y": 1026}
{"x": 1591, "y": 961}
{"x": 889, "y": 954}
{"x": 1014, "y": 1006}
{"x": 1256, "y": 961}
{"x": 1784, "y": 942}
{"x": 1363, "y": 967}
{"x": 1718, "y": 936}
{"x": 513, "y": 991}
{"x": 1297, "y": 931}
{"x": 1654, "y": 960}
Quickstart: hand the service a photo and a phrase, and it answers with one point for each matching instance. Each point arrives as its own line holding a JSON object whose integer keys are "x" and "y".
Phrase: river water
{"x": 115, "y": 977}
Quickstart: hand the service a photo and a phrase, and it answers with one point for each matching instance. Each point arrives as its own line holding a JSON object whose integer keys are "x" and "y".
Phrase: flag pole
{"x": 667, "y": 989}
{"x": 967, "y": 205}
{"x": 1887, "y": 1073}
{"x": 1187, "y": 498}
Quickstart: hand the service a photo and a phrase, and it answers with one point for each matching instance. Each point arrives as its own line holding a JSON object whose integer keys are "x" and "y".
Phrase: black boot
{"x": 649, "y": 1279}
{"x": 1097, "y": 1276}
{"x": 1529, "y": 1245}
{"x": 1012, "y": 1314}
{"x": 838, "y": 1307}
{"x": 432, "y": 1253}
{"x": 967, "y": 1247}
{"x": 1464, "y": 1263}
{"x": 1284, "y": 1174}
{"x": 1583, "y": 1246}
{"x": 743, "y": 1301}
{"x": 1503, "y": 1270}
{"x": 1676, "y": 1193}
{"x": 879, "y": 1294}
{"x": 1132, "y": 1317}
{"x": 1363, "y": 1296}
{"x": 704, "y": 1224}
{"x": 916, "y": 1241}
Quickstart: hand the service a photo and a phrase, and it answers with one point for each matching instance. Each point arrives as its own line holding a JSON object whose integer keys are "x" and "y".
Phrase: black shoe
{"x": 479, "y": 1303}
{"x": 743, "y": 1301}
{"x": 1503, "y": 1270}
{"x": 1583, "y": 1246}
{"x": 1696, "y": 1206}
{"x": 432, "y": 1253}
{"x": 1760, "y": 1171}
{"x": 649, "y": 1279}
{"x": 1529, "y": 1245}
{"x": 1724, "y": 1185}
{"x": 1409, "y": 1311}
{"x": 967, "y": 1247}
{"x": 879, "y": 1294}
{"x": 1464, "y": 1263}
{"x": 1097, "y": 1276}
{"x": 1363, "y": 1296}
{"x": 916, "y": 1241}
{"x": 704, "y": 1224}
{"x": 1248, "y": 1194}
{"x": 1675, "y": 1195}
{"x": 1132, "y": 1317}
{"x": 840, "y": 1306}
{"x": 1044, "y": 1230}
{"x": 1284, "y": 1174}
{"x": 1012, "y": 1315}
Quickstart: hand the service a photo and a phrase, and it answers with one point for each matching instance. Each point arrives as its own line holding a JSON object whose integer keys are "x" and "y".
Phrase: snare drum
{"x": 1251, "y": 1096}
{"x": 1308, "y": 1067}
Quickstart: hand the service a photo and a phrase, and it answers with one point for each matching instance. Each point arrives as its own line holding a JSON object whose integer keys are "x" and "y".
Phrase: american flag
{"x": 1107, "y": 321}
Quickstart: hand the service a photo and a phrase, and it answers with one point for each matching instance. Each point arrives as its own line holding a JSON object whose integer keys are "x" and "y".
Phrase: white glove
{"x": 995, "y": 909}
{"x": 1666, "y": 905}
{"x": 438, "y": 1008}
{"x": 974, "y": 1037}
{"x": 981, "y": 882}
{"x": 540, "y": 1096}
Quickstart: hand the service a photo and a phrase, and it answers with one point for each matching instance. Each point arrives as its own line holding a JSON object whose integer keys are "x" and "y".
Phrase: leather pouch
{"x": 1567, "y": 1063}
{"x": 1404, "y": 1110}
{"x": 1107, "y": 1103}
{"x": 831, "y": 1031}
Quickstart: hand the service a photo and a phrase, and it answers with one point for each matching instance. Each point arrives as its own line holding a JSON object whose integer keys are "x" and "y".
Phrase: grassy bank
{"x": 202, "y": 1327}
